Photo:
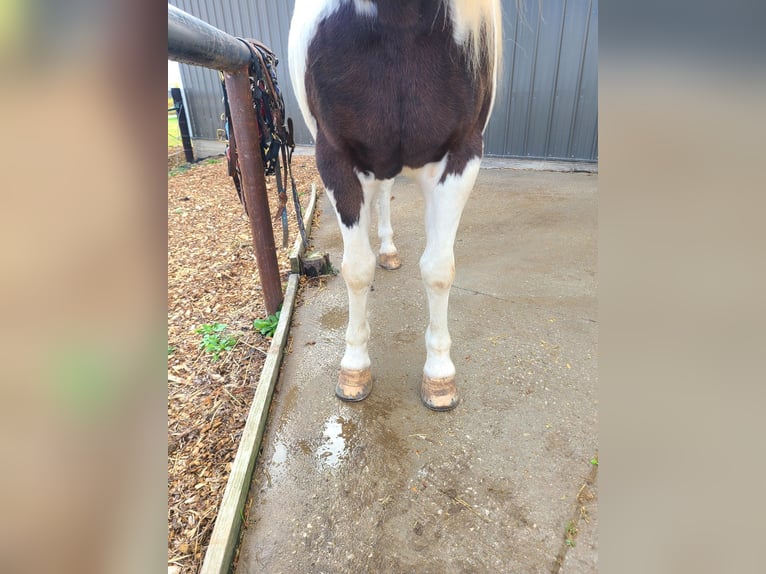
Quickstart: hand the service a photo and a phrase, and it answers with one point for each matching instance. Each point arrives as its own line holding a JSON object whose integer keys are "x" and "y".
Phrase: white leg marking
{"x": 358, "y": 270}
{"x": 385, "y": 231}
{"x": 444, "y": 203}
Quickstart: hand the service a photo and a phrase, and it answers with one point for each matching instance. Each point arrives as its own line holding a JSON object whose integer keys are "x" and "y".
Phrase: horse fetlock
{"x": 358, "y": 338}
{"x": 438, "y": 339}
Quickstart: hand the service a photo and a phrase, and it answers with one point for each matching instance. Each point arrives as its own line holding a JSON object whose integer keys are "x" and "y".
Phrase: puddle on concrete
{"x": 277, "y": 467}
{"x": 339, "y": 436}
{"x": 334, "y": 319}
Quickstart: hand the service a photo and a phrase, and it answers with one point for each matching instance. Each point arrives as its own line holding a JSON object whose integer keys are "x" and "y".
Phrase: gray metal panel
{"x": 546, "y": 105}
{"x": 264, "y": 20}
{"x": 585, "y": 133}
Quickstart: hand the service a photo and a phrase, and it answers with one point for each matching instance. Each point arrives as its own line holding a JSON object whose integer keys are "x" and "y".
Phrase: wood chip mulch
{"x": 212, "y": 278}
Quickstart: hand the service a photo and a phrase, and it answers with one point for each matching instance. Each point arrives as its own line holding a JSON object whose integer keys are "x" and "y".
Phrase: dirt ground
{"x": 212, "y": 279}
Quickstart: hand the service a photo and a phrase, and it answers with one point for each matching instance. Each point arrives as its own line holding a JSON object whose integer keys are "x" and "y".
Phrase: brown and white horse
{"x": 389, "y": 87}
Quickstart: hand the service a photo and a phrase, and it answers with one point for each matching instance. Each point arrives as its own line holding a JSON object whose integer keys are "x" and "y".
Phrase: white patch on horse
{"x": 385, "y": 230}
{"x": 444, "y": 203}
{"x": 358, "y": 270}
{"x": 366, "y": 8}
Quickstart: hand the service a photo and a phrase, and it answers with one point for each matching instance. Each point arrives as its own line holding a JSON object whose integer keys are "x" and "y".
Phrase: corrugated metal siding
{"x": 547, "y": 100}
{"x": 546, "y": 105}
{"x": 264, "y": 20}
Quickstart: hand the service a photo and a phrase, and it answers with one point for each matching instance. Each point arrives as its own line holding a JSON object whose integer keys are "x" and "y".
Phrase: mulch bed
{"x": 176, "y": 157}
{"x": 212, "y": 278}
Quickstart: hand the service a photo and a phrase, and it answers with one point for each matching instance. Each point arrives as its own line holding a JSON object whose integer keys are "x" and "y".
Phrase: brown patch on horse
{"x": 384, "y": 96}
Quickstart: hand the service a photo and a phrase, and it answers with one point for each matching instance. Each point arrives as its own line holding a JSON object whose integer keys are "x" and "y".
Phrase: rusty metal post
{"x": 245, "y": 126}
{"x": 183, "y": 124}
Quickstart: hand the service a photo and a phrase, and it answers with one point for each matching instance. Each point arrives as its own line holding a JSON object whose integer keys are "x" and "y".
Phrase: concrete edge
{"x": 499, "y": 162}
{"x": 490, "y": 162}
{"x": 225, "y": 535}
{"x": 298, "y": 247}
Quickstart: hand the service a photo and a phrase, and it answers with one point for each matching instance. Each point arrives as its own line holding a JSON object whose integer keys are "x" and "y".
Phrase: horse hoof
{"x": 354, "y": 385}
{"x": 389, "y": 261}
{"x": 439, "y": 394}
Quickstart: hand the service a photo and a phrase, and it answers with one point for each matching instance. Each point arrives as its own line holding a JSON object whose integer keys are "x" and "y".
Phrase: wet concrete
{"x": 386, "y": 485}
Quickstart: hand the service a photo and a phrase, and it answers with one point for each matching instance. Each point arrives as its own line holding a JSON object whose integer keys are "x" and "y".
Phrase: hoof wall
{"x": 439, "y": 394}
{"x": 353, "y": 385}
{"x": 389, "y": 261}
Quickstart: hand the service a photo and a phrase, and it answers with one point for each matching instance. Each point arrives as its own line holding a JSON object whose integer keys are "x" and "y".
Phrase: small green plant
{"x": 571, "y": 533}
{"x": 267, "y": 326}
{"x": 213, "y": 160}
{"x": 594, "y": 460}
{"x": 170, "y": 350}
{"x": 213, "y": 340}
{"x": 184, "y": 167}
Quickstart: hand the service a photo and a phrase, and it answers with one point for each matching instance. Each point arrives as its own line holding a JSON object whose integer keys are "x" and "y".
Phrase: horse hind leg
{"x": 358, "y": 270}
{"x": 388, "y": 256}
{"x": 445, "y": 199}
{"x": 352, "y": 194}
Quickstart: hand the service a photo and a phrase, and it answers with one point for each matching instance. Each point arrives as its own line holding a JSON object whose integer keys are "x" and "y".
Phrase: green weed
{"x": 571, "y": 533}
{"x": 179, "y": 170}
{"x": 267, "y": 326}
{"x": 213, "y": 340}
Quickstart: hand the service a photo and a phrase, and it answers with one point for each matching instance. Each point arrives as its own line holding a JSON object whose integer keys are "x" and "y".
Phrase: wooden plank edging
{"x": 225, "y": 535}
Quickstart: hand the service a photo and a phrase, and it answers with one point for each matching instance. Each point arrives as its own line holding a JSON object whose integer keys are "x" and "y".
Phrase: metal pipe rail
{"x": 192, "y": 41}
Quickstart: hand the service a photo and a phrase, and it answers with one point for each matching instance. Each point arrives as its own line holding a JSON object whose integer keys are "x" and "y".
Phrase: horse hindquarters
{"x": 382, "y": 88}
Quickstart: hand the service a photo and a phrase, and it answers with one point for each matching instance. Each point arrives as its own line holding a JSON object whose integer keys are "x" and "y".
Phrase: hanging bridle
{"x": 276, "y": 139}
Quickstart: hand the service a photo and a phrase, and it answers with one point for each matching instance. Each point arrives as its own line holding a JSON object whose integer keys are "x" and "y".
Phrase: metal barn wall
{"x": 264, "y": 20}
{"x": 547, "y": 100}
{"x": 546, "y": 105}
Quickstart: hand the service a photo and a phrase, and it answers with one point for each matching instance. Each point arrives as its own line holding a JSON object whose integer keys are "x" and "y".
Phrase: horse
{"x": 389, "y": 87}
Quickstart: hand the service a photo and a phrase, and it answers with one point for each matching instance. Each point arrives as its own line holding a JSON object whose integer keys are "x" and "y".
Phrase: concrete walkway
{"x": 503, "y": 483}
